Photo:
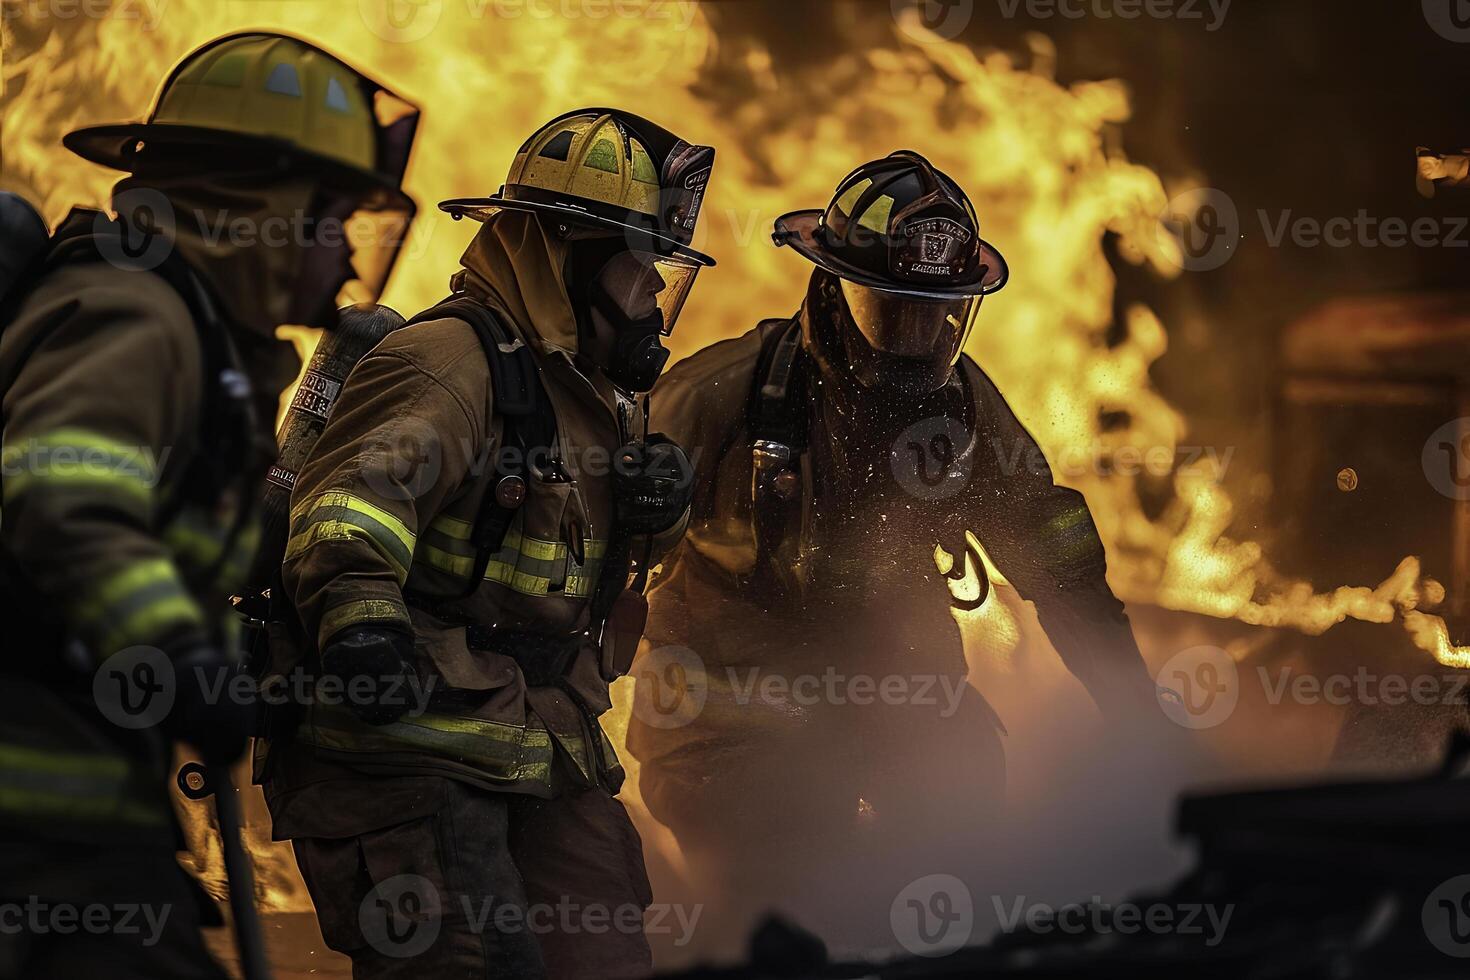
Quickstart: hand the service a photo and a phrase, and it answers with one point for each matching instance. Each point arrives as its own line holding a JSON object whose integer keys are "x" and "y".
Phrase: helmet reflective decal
{"x": 283, "y": 81}
{"x": 337, "y": 97}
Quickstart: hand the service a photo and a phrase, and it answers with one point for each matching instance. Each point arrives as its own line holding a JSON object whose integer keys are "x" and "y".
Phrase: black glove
{"x": 374, "y": 666}
{"x": 207, "y": 712}
{"x": 653, "y": 483}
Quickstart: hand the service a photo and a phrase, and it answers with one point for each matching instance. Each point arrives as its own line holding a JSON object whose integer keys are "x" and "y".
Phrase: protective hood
{"x": 521, "y": 267}
{"x": 244, "y": 242}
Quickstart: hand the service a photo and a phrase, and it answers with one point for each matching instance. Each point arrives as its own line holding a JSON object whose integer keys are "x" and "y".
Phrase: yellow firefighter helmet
{"x": 609, "y": 170}
{"x": 252, "y": 101}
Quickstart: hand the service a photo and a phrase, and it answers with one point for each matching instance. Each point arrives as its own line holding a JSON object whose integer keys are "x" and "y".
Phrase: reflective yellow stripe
{"x": 102, "y": 809}
{"x": 1067, "y": 520}
{"x": 337, "y": 516}
{"x": 348, "y": 614}
{"x": 83, "y": 441}
{"x": 509, "y": 567}
{"x": 536, "y": 548}
{"x": 502, "y": 752}
{"x": 39, "y": 784}
{"x": 507, "y": 575}
{"x": 459, "y": 566}
{"x": 153, "y": 621}
{"x": 452, "y": 527}
{"x": 78, "y": 458}
{"x": 1072, "y": 535}
{"x": 27, "y": 759}
{"x": 527, "y": 564}
{"x": 338, "y": 498}
{"x": 137, "y": 605}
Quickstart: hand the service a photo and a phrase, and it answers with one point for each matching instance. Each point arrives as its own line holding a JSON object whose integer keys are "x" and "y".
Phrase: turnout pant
{"x": 492, "y": 884}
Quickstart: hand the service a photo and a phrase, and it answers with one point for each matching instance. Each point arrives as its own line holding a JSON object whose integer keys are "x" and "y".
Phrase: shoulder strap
{"x": 778, "y": 414}
{"x": 521, "y": 400}
{"x": 777, "y": 409}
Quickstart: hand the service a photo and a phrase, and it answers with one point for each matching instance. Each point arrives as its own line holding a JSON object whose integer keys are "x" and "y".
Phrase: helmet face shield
{"x": 904, "y": 325}
{"x": 646, "y": 284}
{"x": 374, "y": 233}
{"x": 348, "y": 250}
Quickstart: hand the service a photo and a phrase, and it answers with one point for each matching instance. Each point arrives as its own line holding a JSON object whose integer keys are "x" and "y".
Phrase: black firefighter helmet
{"x": 903, "y": 240}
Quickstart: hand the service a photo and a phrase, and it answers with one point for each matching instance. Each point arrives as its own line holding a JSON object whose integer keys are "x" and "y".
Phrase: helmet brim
{"x": 798, "y": 229}
{"x": 482, "y": 208}
{"x": 115, "y": 146}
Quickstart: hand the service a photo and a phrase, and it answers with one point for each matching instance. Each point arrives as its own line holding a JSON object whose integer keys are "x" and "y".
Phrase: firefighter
{"x": 806, "y": 608}
{"x": 140, "y": 377}
{"x": 460, "y": 550}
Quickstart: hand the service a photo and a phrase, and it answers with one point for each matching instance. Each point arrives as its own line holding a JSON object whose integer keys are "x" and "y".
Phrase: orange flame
{"x": 1039, "y": 159}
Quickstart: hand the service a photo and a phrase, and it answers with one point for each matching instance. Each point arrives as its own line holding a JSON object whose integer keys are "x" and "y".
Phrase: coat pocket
{"x": 445, "y": 652}
{"x": 533, "y": 557}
